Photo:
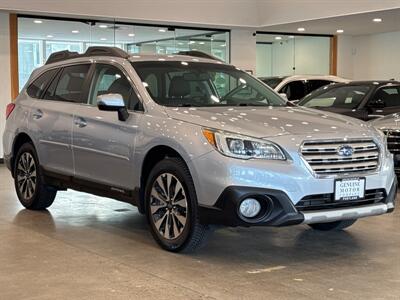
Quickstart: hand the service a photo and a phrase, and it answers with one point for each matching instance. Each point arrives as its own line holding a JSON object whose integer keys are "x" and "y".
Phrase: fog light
{"x": 250, "y": 208}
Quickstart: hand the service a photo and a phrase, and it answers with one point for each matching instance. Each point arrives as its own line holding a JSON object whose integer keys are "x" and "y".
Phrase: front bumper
{"x": 8, "y": 161}
{"x": 281, "y": 211}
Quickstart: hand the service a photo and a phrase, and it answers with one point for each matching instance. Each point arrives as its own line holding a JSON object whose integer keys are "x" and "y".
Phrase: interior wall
{"x": 345, "y": 56}
{"x": 369, "y": 57}
{"x": 243, "y": 49}
{"x": 264, "y": 53}
{"x": 5, "y": 84}
{"x": 377, "y": 56}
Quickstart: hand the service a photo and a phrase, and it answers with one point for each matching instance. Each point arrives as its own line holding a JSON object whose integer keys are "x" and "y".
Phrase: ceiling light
{"x": 301, "y": 29}
{"x": 223, "y": 45}
{"x": 75, "y": 31}
{"x": 377, "y": 20}
{"x": 50, "y": 36}
{"x": 201, "y": 43}
{"x": 162, "y": 30}
{"x": 103, "y": 26}
{"x": 38, "y": 21}
{"x": 131, "y": 34}
{"x": 291, "y": 36}
{"x": 194, "y": 49}
{"x": 180, "y": 43}
{"x": 103, "y": 39}
{"x": 278, "y": 37}
{"x": 192, "y": 42}
{"x": 340, "y": 31}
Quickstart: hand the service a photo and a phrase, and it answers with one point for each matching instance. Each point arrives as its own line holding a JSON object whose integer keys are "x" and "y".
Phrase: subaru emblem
{"x": 345, "y": 150}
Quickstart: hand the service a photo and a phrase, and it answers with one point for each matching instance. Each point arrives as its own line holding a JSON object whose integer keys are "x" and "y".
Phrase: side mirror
{"x": 113, "y": 102}
{"x": 283, "y": 95}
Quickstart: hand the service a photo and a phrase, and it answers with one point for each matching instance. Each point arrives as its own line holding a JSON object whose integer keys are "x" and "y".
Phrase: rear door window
{"x": 70, "y": 85}
{"x": 294, "y": 90}
{"x": 35, "y": 90}
{"x": 312, "y": 85}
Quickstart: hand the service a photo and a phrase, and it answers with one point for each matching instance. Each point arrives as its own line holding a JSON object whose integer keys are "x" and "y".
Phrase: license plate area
{"x": 349, "y": 189}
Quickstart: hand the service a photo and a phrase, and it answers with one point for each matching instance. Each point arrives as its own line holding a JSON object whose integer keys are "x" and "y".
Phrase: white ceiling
{"x": 356, "y": 24}
{"x": 63, "y": 31}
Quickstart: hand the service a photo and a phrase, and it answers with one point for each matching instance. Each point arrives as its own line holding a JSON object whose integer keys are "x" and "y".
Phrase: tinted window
{"x": 203, "y": 84}
{"x": 294, "y": 90}
{"x": 272, "y": 82}
{"x": 343, "y": 96}
{"x": 35, "y": 90}
{"x": 111, "y": 80}
{"x": 388, "y": 96}
{"x": 316, "y": 84}
{"x": 69, "y": 86}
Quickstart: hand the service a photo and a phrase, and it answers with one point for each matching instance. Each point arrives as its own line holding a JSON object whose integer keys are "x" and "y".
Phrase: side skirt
{"x": 64, "y": 182}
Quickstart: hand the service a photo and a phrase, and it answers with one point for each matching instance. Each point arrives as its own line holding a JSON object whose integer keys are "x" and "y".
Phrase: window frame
{"x": 91, "y": 77}
{"x": 372, "y": 98}
{"x": 36, "y": 77}
{"x": 61, "y": 69}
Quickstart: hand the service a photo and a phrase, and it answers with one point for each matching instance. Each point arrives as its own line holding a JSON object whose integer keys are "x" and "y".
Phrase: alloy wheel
{"x": 26, "y": 175}
{"x": 168, "y": 206}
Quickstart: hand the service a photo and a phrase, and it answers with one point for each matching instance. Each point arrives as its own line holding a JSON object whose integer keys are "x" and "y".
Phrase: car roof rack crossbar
{"x": 200, "y": 54}
{"x": 91, "y": 51}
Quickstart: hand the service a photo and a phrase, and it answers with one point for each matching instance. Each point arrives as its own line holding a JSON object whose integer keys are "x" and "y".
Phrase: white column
{"x": 5, "y": 78}
{"x": 243, "y": 49}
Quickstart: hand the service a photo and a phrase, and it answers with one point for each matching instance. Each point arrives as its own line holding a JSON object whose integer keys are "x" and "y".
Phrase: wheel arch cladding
{"x": 19, "y": 140}
{"x": 154, "y": 156}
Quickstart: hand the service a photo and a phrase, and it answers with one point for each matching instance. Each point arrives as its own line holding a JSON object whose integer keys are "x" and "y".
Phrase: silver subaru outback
{"x": 192, "y": 142}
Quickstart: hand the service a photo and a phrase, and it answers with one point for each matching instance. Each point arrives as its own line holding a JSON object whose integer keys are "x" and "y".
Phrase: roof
{"x": 368, "y": 82}
{"x": 305, "y": 77}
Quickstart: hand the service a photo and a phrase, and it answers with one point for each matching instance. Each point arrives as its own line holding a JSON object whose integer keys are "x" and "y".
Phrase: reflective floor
{"x": 94, "y": 248}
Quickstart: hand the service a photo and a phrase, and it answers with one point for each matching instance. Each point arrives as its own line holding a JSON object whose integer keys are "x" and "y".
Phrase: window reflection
{"x": 36, "y": 41}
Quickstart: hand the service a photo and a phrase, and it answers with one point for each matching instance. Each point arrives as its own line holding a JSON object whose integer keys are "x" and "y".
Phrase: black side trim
{"x": 63, "y": 182}
{"x": 225, "y": 211}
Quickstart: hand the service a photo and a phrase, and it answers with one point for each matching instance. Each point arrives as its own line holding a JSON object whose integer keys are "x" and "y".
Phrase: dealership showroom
{"x": 199, "y": 149}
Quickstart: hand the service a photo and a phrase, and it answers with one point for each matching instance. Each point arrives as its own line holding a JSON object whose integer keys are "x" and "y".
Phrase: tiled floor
{"x": 85, "y": 247}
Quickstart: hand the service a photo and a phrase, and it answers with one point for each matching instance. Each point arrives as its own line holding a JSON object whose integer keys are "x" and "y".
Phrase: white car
{"x": 296, "y": 87}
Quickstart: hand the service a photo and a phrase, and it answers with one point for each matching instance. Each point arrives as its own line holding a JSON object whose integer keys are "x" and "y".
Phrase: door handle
{"x": 37, "y": 114}
{"x": 80, "y": 122}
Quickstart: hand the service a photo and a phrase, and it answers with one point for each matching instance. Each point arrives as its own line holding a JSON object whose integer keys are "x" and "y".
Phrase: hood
{"x": 269, "y": 121}
{"x": 389, "y": 122}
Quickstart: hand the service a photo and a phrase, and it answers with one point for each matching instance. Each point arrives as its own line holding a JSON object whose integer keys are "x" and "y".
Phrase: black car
{"x": 365, "y": 100}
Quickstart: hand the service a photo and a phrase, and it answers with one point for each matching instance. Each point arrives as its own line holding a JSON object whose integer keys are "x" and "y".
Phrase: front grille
{"x": 327, "y": 201}
{"x": 393, "y": 142}
{"x": 324, "y": 159}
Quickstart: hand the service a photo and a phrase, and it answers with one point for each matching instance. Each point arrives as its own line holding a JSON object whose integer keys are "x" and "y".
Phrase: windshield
{"x": 273, "y": 81}
{"x": 198, "y": 84}
{"x": 348, "y": 96}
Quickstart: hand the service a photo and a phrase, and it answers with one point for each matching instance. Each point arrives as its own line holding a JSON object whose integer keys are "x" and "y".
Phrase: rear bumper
{"x": 281, "y": 210}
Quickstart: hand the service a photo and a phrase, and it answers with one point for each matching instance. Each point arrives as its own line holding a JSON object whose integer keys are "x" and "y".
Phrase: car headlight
{"x": 243, "y": 147}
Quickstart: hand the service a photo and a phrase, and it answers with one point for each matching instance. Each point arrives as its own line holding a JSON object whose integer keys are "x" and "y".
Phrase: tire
{"x": 333, "y": 226}
{"x": 28, "y": 180}
{"x": 175, "y": 206}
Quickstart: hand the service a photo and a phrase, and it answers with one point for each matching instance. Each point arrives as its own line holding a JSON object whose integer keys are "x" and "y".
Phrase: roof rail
{"x": 106, "y": 51}
{"x": 198, "y": 54}
{"x": 91, "y": 51}
{"x": 60, "y": 56}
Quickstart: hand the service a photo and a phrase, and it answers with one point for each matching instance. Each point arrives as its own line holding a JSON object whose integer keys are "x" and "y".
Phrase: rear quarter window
{"x": 36, "y": 88}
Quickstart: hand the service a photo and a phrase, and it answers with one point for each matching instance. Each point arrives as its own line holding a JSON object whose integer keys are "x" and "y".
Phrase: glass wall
{"x": 38, "y": 38}
{"x": 281, "y": 55}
